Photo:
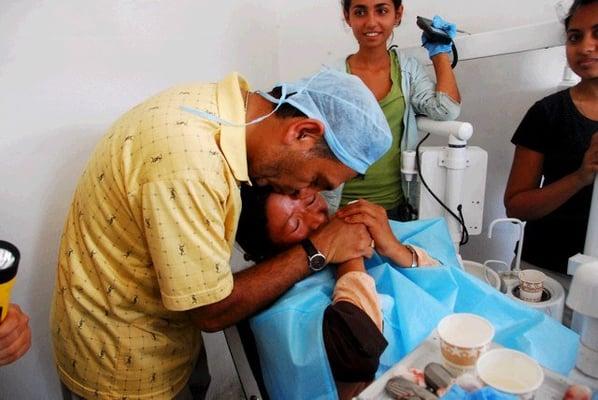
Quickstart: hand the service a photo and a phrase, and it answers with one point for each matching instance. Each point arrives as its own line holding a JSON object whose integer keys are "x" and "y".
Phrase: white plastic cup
{"x": 510, "y": 371}
{"x": 531, "y": 285}
{"x": 463, "y": 338}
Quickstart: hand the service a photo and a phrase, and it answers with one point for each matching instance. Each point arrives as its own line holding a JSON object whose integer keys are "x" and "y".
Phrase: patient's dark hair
{"x": 252, "y": 232}
{"x": 577, "y": 4}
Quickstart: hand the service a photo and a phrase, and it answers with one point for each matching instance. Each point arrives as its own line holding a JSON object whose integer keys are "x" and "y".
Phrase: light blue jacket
{"x": 421, "y": 98}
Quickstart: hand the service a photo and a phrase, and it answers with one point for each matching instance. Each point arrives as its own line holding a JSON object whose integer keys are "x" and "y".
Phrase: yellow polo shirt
{"x": 149, "y": 234}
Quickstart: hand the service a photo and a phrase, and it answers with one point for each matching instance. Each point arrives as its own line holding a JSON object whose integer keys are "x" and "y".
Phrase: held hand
{"x": 589, "y": 165}
{"x": 340, "y": 241}
{"x": 435, "y": 48}
{"x": 375, "y": 219}
{"x": 15, "y": 335}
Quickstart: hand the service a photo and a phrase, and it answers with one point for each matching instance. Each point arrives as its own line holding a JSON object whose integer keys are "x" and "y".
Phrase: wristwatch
{"x": 315, "y": 260}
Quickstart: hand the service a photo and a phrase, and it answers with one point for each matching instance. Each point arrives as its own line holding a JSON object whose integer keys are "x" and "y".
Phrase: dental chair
{"x": 241, "y": 345}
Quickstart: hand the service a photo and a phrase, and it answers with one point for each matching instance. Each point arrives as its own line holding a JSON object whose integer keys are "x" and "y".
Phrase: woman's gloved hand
{"x": 435, "y": 48}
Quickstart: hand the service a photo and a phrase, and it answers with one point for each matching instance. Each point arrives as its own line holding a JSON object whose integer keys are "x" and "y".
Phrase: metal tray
{"x": 553, "y": 388}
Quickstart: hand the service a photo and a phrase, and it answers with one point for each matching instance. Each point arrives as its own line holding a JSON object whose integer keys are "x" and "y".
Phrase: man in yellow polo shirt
{"x": 144, "y": 258}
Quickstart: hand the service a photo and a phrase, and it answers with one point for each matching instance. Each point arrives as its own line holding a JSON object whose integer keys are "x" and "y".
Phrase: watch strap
{"x": 315, "y": 259}
{"x": 309, "y": 247}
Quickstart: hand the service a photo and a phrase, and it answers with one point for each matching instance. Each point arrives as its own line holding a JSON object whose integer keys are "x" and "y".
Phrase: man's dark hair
{"x": 577, "y": 4}
{"x": 252, "y": 232}
{"x": 286, "y": 110}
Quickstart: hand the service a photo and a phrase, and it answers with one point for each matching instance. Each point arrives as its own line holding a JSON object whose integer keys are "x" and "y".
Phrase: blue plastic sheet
{"x": 485, "y": 393}
{"x": 289, "y": 334}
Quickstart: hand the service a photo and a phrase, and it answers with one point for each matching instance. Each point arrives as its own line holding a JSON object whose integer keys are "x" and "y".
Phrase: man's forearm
{"x": 254, "y": 289}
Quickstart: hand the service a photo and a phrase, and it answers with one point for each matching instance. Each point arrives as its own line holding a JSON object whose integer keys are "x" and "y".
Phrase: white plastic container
{"x": 511, "y": 372}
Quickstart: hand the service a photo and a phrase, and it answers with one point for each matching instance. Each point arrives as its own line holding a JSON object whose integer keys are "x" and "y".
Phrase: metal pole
{"x": 591, "y": 246}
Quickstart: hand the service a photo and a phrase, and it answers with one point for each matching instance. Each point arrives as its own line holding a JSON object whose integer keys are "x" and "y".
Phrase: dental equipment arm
{"x": 452, "y": 160}
{"x": 459, "y": 130}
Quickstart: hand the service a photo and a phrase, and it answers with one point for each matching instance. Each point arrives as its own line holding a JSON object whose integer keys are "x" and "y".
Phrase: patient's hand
{"x": 374, "y": 217}
{"x": 341, "y": 241}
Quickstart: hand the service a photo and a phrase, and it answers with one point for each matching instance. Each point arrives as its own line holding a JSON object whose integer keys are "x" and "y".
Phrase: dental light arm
{"x": 457, "y": 189}
{"x": 459, "y": 130}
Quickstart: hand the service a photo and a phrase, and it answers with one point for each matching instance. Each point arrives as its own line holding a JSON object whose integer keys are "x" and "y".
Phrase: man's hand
{"x": 15, "y": 335}
{"x": 589, "y": 166}
{"x": 375, "y": 219}
{"x": 340, "y": 241}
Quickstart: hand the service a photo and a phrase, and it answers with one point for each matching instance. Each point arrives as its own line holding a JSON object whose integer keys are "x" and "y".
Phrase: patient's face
{"x": 291, "y": 219}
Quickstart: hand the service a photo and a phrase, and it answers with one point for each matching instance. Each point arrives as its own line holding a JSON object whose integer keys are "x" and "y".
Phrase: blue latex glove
{"x": 437, "y": 48}
{"x": 486, "y": 393}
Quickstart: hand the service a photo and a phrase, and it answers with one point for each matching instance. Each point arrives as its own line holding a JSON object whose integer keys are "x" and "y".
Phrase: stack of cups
{"x": 531, "y": 285}
{"x": 463, "y": 338}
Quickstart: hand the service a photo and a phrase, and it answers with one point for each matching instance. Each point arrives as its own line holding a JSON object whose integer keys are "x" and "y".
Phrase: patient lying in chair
{"x": 352, "y": 323}
{"x": 331, "y": 334}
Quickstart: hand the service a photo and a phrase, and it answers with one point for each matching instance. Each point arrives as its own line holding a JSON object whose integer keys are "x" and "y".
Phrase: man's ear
{"x": 304, "y": 132}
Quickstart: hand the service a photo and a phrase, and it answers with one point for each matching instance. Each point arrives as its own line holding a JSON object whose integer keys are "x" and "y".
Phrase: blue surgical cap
{"x": 355, "y": 127}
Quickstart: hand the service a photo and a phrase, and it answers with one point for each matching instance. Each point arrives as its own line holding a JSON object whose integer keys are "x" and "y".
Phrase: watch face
{"x": 317, "y": 262}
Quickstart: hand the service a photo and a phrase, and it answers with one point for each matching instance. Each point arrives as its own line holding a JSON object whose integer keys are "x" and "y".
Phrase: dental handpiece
{"x": 9, "y": 262}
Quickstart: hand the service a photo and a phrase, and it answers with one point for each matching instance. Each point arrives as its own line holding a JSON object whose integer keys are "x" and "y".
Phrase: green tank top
{"x": 381, "y": 183}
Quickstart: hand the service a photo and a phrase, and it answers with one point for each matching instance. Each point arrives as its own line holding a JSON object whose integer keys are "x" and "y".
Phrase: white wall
{"x": 68, "y": 68}
{"x": 314, "y": 32}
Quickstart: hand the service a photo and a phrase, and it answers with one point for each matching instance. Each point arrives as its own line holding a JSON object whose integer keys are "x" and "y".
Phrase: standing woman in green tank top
{"x": 403, "y": 89}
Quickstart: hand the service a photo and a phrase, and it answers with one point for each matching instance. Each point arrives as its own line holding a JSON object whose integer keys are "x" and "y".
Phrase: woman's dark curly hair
{"x": 252, "y": 232}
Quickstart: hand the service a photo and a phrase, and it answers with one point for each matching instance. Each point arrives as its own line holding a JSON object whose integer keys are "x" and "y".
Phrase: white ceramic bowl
{"x": 510, "y": 371}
